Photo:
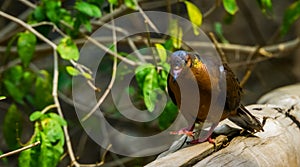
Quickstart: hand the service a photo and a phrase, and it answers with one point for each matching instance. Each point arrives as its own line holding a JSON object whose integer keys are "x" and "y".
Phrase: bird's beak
{"x": 176, "y": 73}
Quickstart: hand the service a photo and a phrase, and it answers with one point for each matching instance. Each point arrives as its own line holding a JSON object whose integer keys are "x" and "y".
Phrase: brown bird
{"x": 187, "y": 68}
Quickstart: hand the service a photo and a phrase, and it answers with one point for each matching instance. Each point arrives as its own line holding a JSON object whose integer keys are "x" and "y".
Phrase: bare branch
{"x": 20, "y": 149}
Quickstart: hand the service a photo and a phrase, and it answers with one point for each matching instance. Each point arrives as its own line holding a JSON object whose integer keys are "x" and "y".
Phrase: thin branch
{"x": 48, "y": 108}
{"x": 147, "y": 20}
{"x": 211, "y": 9}
{"x": 220, "y": 51}
{"x": 20, "y": 149}
{"x": 112, "y": 81}
{"x": 125, "y": 32}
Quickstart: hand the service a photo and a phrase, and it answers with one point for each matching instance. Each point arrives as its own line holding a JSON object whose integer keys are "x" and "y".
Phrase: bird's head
{"x": 179, "y": 61}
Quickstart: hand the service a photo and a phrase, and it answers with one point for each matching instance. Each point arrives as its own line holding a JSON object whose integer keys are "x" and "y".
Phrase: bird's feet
{"x": 201, "y": 140}
{"x": 184, "y": 131}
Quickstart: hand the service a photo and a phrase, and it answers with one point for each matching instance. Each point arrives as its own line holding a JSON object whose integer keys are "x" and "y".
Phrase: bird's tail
{"x": 246, "y": 120}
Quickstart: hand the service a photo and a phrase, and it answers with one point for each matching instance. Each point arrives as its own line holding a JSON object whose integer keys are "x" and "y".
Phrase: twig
{"x": 147, "y": 20}
{"x": 220, "y": 51}
{"x": 48, "y": 108}
{"x": 51, "y": 24}
{"x": 125, "y": 32}
{"x": 112, "y": 81}
{"x": 28, "y": 3}
{"x": 55, "y": 78}
{"x": 8, "y": 31}
{"x": 212, "y": 9}
{"x": 20, "y": 149}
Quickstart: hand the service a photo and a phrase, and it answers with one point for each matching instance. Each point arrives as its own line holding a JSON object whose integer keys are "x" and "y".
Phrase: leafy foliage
{"x": 48, "y": 130}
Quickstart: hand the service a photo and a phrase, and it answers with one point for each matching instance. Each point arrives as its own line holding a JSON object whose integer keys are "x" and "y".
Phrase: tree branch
{"x": 20, "y": 149}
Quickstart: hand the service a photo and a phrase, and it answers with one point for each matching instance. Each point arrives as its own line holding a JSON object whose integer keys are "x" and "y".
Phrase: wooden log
{"x": 278, "y": 145}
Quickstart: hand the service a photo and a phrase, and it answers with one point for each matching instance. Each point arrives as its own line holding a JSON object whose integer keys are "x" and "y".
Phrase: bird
{"x": 189, "y": 66}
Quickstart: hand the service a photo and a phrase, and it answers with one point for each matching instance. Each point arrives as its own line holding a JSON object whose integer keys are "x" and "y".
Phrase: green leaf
{"x": 88, "y": 9}
{"x": 43, "y": 90}
{"x": 150, "y": 84}
{"x": 38, "y": 13}
{"x": 195, "y": 16}
{"x": 141, "y": 72}
{"x": 168, "y": 116}
{"x": 68, "y": 49}
{"x": 176, "y": 34}
{"x": 14, "y": 74}
{"x": 147, "y": 78}
{"x": 131, "y": 4}
{"x": 58, "y": 118}
{"x": 2, "y": 97}
{"x": 162, "y": 53}
{"x": 72, "y": 71}
{"x": 14, "y": 91}
{"x": 52, "y": 8}
{"x": 12, "y": 126}
{"x": 26, "y": 47}
{"x": 265, "y": 6}
{"x": 291, "y": 14}
{"x": 35, "y": 116}
{"x": 230, "y": 6}
{"x": 219, "y": 32}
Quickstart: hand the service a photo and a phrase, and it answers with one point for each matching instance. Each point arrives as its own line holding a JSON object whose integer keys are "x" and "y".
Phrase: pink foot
{"x": 197, "y": 141}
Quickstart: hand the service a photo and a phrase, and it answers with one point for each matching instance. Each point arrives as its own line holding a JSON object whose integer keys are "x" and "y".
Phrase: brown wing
{"x": 234, "y": 91}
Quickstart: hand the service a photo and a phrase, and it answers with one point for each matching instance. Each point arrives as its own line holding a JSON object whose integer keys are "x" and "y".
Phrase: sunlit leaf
{"x": 35, "y": 116}
{"x": 176, "y": 34}
{"x": 72, "y": 71}
{"x": 195, "y": 16}
{"x": 26, "y": 47}
{"x": 162, "y": 53}
{"x": 230, "y": 6}
{"x": 68, "y": 49}
{"x": 88, "y": 9}
{"x": 291, "y": 14}
{"x": 2, "y": 97}
{"x": 131, "y": 4}
{"x": 12, "y": 126}
{"x": 150, "y": 84}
